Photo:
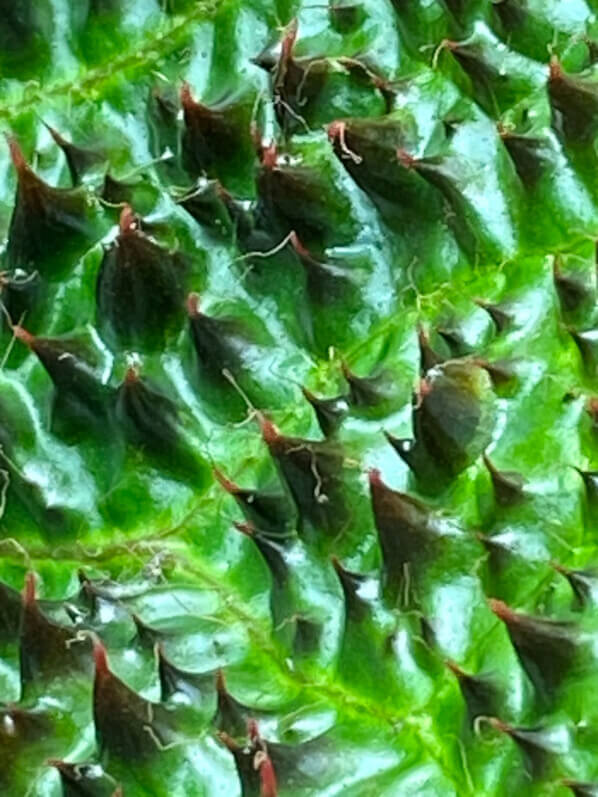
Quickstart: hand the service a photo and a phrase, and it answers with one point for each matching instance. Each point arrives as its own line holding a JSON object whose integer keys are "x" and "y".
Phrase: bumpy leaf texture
{"x": 298, "y": 398}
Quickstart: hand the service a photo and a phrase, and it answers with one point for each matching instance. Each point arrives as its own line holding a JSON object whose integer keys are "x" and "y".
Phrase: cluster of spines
{"x": 309, "y": 469}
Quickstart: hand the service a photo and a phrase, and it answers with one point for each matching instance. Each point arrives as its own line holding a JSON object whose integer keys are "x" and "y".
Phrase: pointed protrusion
{"x": 508, "y": 485}
{"x": 327, "y": 282}
{"x": 480, "y": 695}
{"x": 330, "y": 412}
{"x": 576, "y": 100}
{"x": 501, "y": 314}
{"x": 581, "y": 788}
{"x": 84, "y": 780}
{"x": 535, "y": 744}
{"x": 127, "y": 725}
{"x": 44, "y": 218}
{"x": 267, "y": 512}
{"x": 571, "y": 290}
{"x": 584, "y": 583}
{"x": 70, "y": 365}
{"x": 221, "y": 343}
{"x": 79, "y": 160}
{"x": 428, "y": 357}
{"x": 406, "y": 532}
{"x": 214, "y": 134}
{"x": 312, "y": 471}
{"x": 150, "y": 422}
{"x": 47, "y": 649}
{"x": 255, "y": 767}
{"x": 231, "y": 716}
{"x": 355, "y": 607}
{"x": 140, "y": 287}
{"x": 546, "y": 648}
{"x": 453, "y": 419}
{"x": 197, "y": 687}
{"x": 366, "y": 391}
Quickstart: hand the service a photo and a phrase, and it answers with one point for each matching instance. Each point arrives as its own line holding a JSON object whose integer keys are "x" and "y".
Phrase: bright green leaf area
{"x": 370, "y": 705}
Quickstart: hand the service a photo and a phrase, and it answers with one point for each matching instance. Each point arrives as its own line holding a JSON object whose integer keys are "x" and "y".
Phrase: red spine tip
{"x": 297, "y": 245}
{"x": 269, "y": 156}
{"x": 29, "y": 591}
{"x": 127, "y": 222}
{"x": 501, "y": 610}
{"x": 424, "y": 388}
{"x": 269, "y": 787}
{"x": 228, "y": 485}
{"x": 289, "y": 39}
{"x": 132, "y": 375}
{"x": 375, "y": 477}
{"x": 100, "y": 658}
{"x": 16, "y": 155}
{"x": 405, "y": 159}
{"x": 23, "y": 335}
{"x": 193, "y": 305}
{"x": 336, "y": 130}
{"x": 269, "y": 431}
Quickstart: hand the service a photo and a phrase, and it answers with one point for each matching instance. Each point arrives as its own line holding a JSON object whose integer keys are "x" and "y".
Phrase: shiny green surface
{"x": 375, "y": 705}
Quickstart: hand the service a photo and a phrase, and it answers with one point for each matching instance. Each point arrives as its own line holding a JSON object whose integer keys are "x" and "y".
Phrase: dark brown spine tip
{"x": 29, "y": 591}
{"x": 308, "y": 394}
{"x": 228, "y": 741}
{"x": 455, "y": 669}
{"x": 100, "y": 658}
{"x": 192, "y": 305}
{"x": 337, "y": 565}
{"x": 16, "y": 155}
{"x": 127, "y": 222}
{"x": 56, "y": 137}
{"x": 220, "y": 681}
{"x": 228, "y": 485}
{"x": 406, "y": 160}
{"x": 555, "y": 70}
{"x": 245, "y": 528}
{"x": 499, "y": 725}
{"x": 23, "y": 335}
{"x": 270, "y": 433}
{"x": 592, "y": 408}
